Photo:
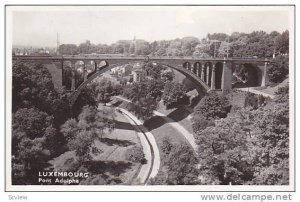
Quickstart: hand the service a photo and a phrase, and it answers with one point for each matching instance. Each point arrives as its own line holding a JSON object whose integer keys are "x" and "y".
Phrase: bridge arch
{"x": 197, "y": 68}
{"x": 187, "y": 65}
{"x": 79, "y": 67}
{"x": 247, "y": 75}
{"x": 218, "y": 74}
{"x": 100, "y": 70}
{"x": 208, "y": 72}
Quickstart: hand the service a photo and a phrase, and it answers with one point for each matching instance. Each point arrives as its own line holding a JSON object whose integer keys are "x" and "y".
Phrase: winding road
{"x": 150, "y": 148}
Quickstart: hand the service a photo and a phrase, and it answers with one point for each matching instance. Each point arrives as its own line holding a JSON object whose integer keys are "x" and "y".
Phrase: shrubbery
{"x": 135, "y": 154}
{"x": 178, "y": 165}
{"x": 200, "y": 122}
{"x": 254, "y": 101}
{"x": 174, "y": 95}
{"x": 248, "y": 146}
{"x": 279, "y": 69}
{"x": 213, "y": 106}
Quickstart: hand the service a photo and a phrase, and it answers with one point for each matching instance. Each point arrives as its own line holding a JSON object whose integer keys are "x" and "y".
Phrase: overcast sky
{"x": 38, "y": 26}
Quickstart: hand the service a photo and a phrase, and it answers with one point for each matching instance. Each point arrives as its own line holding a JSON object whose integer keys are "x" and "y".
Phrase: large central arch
{"x": 202, "y": 86}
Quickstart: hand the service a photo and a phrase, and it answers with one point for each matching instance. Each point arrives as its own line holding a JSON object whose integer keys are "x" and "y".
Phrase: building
{"x": 139, "y": 75}
{"x": 115, "y": 70}
{"x": 125, "y": 70}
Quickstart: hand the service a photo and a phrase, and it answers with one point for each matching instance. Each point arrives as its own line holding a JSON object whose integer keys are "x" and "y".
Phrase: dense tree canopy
{"x": 32, "y": 136}
{"x": 80, "y": 135}
{"x": 173, "y": 172}
{"x": 174, "y": 95}
{"x": 32, "y": 86}
{"x": 279, "y": 69}
{"x": 248, "y": 146}
{"x": 213, "y": 106}
{"x": 256, "y": 43}
{"x": 38, "y": 110}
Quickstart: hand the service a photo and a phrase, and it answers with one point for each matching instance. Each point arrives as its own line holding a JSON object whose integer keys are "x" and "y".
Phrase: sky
{"x": 38, "y": 26}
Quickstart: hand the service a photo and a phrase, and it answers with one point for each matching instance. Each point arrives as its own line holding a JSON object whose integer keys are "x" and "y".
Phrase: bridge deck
{"x": 138, "y": 58}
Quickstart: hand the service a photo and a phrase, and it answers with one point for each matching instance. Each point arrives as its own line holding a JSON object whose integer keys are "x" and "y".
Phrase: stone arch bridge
{"x": 208, "y": 74}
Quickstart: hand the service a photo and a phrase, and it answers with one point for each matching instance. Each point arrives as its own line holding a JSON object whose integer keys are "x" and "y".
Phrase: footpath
{"x": 185, "y": 133}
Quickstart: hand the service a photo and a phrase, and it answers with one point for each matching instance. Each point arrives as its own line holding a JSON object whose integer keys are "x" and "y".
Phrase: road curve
{"x": 150, "y": 148}
{"x": 188, "y": 136}
{"x": 185, "y": 133}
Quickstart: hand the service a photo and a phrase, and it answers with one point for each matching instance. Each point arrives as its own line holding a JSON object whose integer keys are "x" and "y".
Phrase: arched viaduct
{"x": 208, "y": 73}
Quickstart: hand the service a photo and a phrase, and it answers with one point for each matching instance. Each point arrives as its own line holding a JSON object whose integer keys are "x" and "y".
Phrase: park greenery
{"x": 246, "y": 146}
{"x": 174, "y": 173}
{"x": 35, "y": 125}
{"x": 236, "y": 145}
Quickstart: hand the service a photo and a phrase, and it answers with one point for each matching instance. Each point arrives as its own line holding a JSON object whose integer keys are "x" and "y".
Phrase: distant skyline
{"x": 38, "y": 26}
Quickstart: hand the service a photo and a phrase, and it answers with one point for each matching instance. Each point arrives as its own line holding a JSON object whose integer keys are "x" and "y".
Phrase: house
{"x": 138, "y": 73}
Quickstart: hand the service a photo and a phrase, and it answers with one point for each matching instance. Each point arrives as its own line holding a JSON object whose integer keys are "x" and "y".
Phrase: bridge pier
{"x": 203, "y": 72}
{"x": 84, "y": 72}
{"x": 264, "y": 78}
{"x": 73, "y": 75}
{"x": 213, "y": 78}
{"x": 207, "y": 75}
{"x": 192, "y": 68}
{"x": 227, "y": 76}
{"x": 62, "y": 72}
{"x": 198, "y": 70}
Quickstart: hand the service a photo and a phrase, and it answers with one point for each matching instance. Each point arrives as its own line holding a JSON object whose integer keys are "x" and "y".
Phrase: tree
{"x": 200, "y": 122}
{"x": 135, "y": 154}
{"x": 282, "y": 94}
{"x": 188, "y": 45}
{"x": 225, "y": 49}
{"x": 87, "y": 96}
{"x": 154, "y": 71}
{"x": 213, "y": 106}
{"x": 81, "y": 134}
{"x": 32, "y": 86}
{"x": 217, "y": 36}
{"x": 174, "y": 173}
{"x": 224, "y": 152}
{"x": 167, "y": 75}
{"x": 247, "y": 147}
{"x": 68, "y": 49}
{"x": 32, "y": 133}
{"x": 144, "y": 96}
{"x": 25, "y": 167}
{"x": 203, "y": 49}
{"x": 184, "y": 172}
{"x": 282, "y": 43}
{"x": 174, "y": 95}
{"x": 135, "y": 91}
{"x": 279, "y": 69}
{"x": 104, "y": 90}
{"x": 87, "y": 48}
{"x": 142, "y": 48}
{"x": 144, "y": 107}
{"x": 154, "y": 88}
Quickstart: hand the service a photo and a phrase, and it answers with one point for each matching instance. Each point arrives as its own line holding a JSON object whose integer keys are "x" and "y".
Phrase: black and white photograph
{"x": 150, "y": 98}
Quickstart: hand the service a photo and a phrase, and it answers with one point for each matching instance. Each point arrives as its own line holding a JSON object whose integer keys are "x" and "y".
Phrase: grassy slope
{"x": 272, "y": 89}
{"x": 160, "y": 130}
{"x": 113, "y": 146}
